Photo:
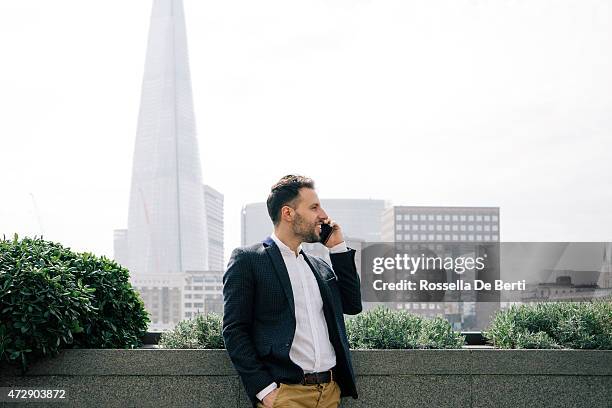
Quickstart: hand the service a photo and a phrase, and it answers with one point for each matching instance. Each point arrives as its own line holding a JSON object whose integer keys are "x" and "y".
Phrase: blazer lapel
{"x": 323, "y": 288}
{"x": 329, "y": 309}
{"x": 281, "y": 270}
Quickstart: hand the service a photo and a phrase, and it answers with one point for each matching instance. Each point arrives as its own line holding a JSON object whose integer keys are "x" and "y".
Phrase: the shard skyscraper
{"x": 167, "y": 231}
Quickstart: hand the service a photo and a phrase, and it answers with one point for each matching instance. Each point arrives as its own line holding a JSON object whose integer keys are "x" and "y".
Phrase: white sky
{"x": 496, "y": 103}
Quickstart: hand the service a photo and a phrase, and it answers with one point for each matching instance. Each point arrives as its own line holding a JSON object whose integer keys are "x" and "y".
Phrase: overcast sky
{"x": 493, "y": 103}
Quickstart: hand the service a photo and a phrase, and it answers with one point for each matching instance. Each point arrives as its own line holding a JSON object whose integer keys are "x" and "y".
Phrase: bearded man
{"x": 283, "y": 322}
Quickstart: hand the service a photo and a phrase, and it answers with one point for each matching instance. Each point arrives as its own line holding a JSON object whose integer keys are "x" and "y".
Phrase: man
{"x": 283, "y": 322}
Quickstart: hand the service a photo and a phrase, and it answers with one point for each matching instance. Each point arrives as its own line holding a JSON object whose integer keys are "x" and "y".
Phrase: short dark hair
{"x": 285, "y": 191}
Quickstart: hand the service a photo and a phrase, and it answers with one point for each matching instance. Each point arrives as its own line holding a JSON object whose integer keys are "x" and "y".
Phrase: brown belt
{"x": 318, "y": 378}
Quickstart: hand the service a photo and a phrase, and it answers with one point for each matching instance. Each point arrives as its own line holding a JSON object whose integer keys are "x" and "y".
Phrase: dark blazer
{"x": 259, "y": 314}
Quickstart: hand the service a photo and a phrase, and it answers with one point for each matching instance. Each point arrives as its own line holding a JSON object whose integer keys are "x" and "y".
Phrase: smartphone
{"x": 326, "y": 231}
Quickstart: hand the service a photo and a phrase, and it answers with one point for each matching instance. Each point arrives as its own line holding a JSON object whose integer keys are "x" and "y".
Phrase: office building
{"x": 433, "y": 227}
{"x": 441, "y": 224}
{"x": 203, "y": 293}
{"x": 214, "y": 220}
{"x": 167, "y": 232}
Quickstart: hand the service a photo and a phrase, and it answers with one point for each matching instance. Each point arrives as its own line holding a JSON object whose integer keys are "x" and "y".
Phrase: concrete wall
{"x": 386, "y": 378}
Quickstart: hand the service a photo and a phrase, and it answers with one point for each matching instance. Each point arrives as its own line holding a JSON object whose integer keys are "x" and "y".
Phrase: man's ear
{"x": 287, "y": 213}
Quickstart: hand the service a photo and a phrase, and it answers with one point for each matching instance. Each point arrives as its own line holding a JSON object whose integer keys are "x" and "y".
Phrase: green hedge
{"x": 583, "y": 325}
{"x": 377, "y": 329}
{"x": 200, "y": 332}
{"x": 383, "y": 328}
{"x": 52, "y": 298}
{"x": 546, "y": 325}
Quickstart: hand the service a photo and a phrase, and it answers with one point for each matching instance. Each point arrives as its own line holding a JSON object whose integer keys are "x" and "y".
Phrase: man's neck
{"x": 288, "y": 238}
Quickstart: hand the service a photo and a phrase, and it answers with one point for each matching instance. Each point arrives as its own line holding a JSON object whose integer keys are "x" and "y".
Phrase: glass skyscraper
{"x": 167, "y": 242}
{"x": 167, "y": 230}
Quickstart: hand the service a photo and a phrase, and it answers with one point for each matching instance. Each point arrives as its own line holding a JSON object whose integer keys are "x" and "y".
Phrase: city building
{"x": 433, "y": 227}
{"x": 574, "y": 271}
{"x": 120, "y": 253}
{"x": 166, "y": 220}
{"x": 565, "y": 290}
{"x": 203, "y": 293}
{"x": 168, "y": 232}
{"x": 214, "y": 220}
{"x": 162, "y": 295}
{"x": 605, "y": 279}
{"x": 440, "y": 224}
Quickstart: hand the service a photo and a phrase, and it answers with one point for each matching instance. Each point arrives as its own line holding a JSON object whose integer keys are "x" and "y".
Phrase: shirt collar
{"x": 284, "y": 248}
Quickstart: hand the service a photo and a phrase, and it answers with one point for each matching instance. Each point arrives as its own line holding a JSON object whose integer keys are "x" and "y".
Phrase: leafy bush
{"x": 584, "y": 325}
{"x": 382, "y": 328}
{"x": 377, "y": 329}
{"x": 52, "y": 298}
{"x": 122, "y": 320}
{"x": 200, "y": 332}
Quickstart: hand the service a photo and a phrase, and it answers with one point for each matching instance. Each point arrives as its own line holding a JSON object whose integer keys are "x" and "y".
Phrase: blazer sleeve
{"x": 238, "y": 296}
{"x": 343, "y": 264}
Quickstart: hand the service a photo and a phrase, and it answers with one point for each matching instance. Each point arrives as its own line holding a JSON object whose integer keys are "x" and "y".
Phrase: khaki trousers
{"x": 306, "y": 396}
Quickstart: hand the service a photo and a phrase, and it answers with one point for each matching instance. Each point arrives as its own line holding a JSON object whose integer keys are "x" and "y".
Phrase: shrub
{"x": 52, "y": 298}
{"x": 382, "y": 328}
{"x": 121, "y": 321}
{"x": 200, "y": 332}
{"x": 583, "y": 325}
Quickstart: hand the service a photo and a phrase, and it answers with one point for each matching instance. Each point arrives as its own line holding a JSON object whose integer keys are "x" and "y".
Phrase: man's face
{"x": 308, "y": 216}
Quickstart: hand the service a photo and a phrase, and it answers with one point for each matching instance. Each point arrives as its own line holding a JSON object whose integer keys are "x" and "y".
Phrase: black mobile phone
{"x": 326, "y": 231}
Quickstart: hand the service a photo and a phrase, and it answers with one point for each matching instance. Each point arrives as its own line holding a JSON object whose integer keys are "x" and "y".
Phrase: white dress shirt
{"x": 311, "y": 348}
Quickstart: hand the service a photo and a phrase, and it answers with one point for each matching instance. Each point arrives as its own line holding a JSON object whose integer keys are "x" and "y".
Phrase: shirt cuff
{"x": 262, "y": 394}
{"x": 341, "y": 247}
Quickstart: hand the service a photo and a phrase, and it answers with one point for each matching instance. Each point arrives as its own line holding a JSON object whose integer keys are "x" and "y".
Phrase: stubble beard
{"x": 306, "y": 231}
